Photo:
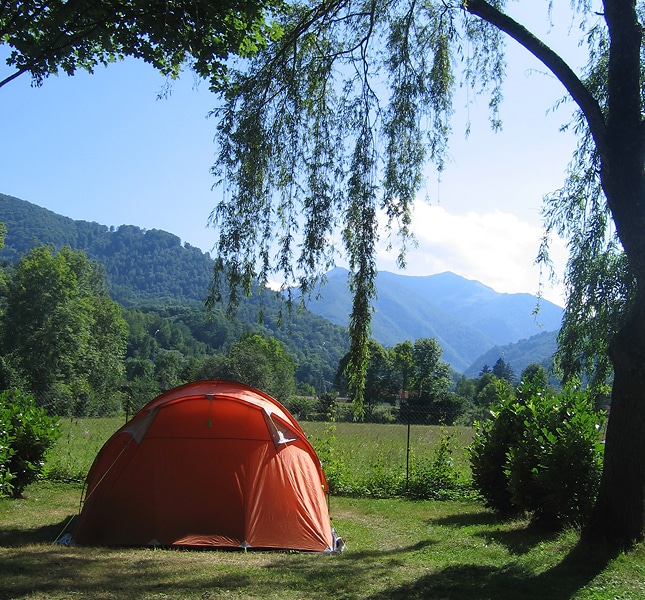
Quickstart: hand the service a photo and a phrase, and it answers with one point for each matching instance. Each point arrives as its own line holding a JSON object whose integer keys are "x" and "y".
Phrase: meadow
{"x": 396, "y": 548}
{"x": 362, "y": 459}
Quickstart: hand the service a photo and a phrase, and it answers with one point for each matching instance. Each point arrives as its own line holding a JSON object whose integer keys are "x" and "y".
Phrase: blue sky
{"x": 104, "y": 148}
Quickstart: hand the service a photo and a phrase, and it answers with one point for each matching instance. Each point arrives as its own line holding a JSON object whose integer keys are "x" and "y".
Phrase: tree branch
{"x": 580, "y": 94}
{"x": 6, "y": 80}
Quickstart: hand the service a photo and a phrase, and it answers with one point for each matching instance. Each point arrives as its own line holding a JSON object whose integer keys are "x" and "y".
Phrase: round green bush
{"x": 540, "y": 453}
{"x": 27, "y": 433}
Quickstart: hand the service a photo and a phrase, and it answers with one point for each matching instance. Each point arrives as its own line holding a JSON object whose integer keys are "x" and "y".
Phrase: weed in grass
{"x": 436, "y": 477}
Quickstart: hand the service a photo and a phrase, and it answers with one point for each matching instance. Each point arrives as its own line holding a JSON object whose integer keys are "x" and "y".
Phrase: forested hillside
{"x": 140, "y": 265}
{"x": 171, "y": 338}
{"x": 152, "y": 269}
{"x": 151, "y": 272}
{"x": 538, "y": 348}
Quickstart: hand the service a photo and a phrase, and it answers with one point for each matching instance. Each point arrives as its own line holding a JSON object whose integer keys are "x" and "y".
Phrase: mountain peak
{"x": 466, "y": 316}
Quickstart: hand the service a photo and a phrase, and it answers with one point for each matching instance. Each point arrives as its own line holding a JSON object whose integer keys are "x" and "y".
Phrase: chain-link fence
{"x": 394, "y": 438}
{"x": 391, "y": 444}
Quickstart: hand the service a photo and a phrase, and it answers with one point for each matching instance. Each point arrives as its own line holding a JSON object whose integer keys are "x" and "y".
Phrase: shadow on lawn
{"x": 47, "y": 534}
{"x": 49, "y": 571}
{"x": 465, "y": 582}
{"x": 466, "y": 518}
{"x": 41, "y": 568}
{"x": 516, "y": 539}
{"x": 99, "y": 572}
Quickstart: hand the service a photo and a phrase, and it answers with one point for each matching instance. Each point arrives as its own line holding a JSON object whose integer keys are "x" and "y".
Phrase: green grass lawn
{"x": 395, "y": 549}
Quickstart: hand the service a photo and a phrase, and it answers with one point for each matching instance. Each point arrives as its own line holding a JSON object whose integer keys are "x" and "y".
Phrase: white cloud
{"x": 495, "y": 248}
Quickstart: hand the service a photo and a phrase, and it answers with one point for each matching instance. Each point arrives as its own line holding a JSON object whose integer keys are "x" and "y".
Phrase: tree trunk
{"x": 618, "y": 514}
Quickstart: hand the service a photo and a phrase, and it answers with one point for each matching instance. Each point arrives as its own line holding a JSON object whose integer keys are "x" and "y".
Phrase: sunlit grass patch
{"x": 77, "y": 447}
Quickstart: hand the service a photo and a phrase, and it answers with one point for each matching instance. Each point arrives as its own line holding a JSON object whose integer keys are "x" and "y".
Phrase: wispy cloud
{"x": 495, "y": 248}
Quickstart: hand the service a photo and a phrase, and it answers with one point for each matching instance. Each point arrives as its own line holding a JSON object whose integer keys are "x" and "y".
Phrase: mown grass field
{"x": 395, "y": 549}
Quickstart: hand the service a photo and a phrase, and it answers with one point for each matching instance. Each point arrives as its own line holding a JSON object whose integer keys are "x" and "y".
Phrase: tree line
{"x": 410, "y": 383}
{"x": 79, "y": 352}
{"x": 65, "y": 341}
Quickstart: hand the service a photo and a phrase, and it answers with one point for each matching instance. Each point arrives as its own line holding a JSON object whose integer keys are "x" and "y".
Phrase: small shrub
{"x": 344, "y": 412}
{"x": 333, "y": 464}
{"x": 493, "y": 440}
{"x": 438, "y": 478}
{"x": 540, "y": 453}
{"x": 26, "y": 435}
{"x": 384, "y": 414}
{"x": 378, "y": 479}
{"x": 554, "y": 469}
{"x": 302, "y": 408}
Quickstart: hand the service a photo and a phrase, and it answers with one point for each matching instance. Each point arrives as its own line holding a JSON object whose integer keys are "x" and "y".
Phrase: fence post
{"x": 407, "y": 454}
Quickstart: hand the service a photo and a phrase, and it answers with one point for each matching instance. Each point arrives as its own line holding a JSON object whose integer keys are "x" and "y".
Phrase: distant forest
{"x": 150, "y": 273}
{"x": 159, "y": 287}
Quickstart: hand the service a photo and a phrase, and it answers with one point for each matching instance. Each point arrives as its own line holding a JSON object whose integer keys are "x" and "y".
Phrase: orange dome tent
{"x": 210, "y": 463}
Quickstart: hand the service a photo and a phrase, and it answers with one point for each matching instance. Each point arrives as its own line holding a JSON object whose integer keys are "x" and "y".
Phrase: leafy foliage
{"x": 410, "y": 375}
{"x": 62, "y": 334}
{"x": 299, "y": 146}
{"x": 26, "y": 435}
{"x": 488, "y": 452}
{"x": 162, "y": 284}
{"x": 601, "y": 287}
{"x": 438, "y": 478}
{"x": 554, "y": 469}
{"x": 432, "y": 475}
{"x": 541, "y": 453}
{"x": 262, "y": 363}
{"x": 66, "y": 36}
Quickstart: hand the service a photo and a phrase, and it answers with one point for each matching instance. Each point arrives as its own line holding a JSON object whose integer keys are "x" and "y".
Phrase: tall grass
{"x": 79, "y": 443}
{"x": 389, "y": 461}
{"x": 360, "y": 460}
{"x": 367, "y": 442}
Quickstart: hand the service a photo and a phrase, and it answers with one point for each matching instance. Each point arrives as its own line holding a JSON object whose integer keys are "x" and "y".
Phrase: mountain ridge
{"x": 467, "y": 318}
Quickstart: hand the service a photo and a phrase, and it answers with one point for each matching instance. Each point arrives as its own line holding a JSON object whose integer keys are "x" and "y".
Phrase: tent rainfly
{"x": 208, "y": 464}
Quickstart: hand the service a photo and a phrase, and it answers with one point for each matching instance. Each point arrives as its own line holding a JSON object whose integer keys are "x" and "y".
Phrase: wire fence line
{"x": 394, "y": 440}
{"x": 402, "y": 411}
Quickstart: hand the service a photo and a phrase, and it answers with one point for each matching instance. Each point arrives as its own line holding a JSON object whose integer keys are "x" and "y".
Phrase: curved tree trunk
{"x": 618, "y": 512}
{"x": 619, "y": 135}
